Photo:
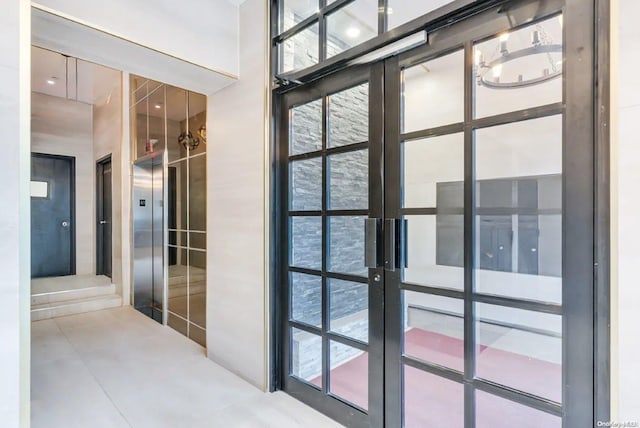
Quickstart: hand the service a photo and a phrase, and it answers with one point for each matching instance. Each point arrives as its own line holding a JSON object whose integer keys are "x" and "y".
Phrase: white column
{"x": 15, "y": 113}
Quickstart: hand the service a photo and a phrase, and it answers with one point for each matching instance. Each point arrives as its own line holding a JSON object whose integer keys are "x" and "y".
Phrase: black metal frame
{"x": 72, "y": 233}
{"x": 99, "y": 211}
{"x": 585, "y": 292}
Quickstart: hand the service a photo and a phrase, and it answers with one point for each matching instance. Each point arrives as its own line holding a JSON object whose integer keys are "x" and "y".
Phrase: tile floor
{"x": 117, "y": 368}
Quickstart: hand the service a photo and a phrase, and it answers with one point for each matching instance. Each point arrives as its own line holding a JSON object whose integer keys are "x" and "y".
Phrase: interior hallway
{"x": 118, "y": 368}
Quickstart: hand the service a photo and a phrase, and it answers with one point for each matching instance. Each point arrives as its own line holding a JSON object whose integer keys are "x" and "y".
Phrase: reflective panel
{"x": 433, "y": 173}
{"x": 519, "y": 69}
{"x": 435, "y": 251}
{"x": 349, "y": 308}
{"x": 198, "y": 193}
{"x": 401, "y": 11}
{"x": 346, "y": 245}
{"x": 198, "y": 240}
{"x": 178, "y": 276}
{"x": 496, "y": 412}
{"x": 306, "y": 242}
{"x": 177, "y": 323}
{"x": 519, "y": 210}
{"x": 176, "y": 120}
{"x": 178, "y": 196}
{"x": 430, "y": 400}
{"x": 306, "y": 356}
{"x": 349, "y": 116}
{"x": 305, "y": 133}
{"x": 294, "y": 11}
{"x": 433, "y": 93}
{"x": 197, "y": 123}
{"x": 305, "y": 185}
{"x": 306, "y": 298}
{"x": 434, "y": 329}
{"x": 351, "y": 25}
{"x": 348, "y": 180}
{"x": 349, "y": 377}
{"x": 198, "y": 288}
{"x": 520, "y": 349}
{"x": 178, "y": 239}
{"x": 299, "y": 51}
{"x": 140, "y": 127}
{"x": 157, "y": 133}
{"x": 198, "y": 335}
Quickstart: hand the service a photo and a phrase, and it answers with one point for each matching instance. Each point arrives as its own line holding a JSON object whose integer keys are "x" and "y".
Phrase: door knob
{"x": 65, "y": 224}
{"x": 103, "y": 222}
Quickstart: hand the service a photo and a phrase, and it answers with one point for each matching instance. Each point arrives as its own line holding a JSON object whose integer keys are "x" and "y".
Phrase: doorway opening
{"x": 104, "y": 216}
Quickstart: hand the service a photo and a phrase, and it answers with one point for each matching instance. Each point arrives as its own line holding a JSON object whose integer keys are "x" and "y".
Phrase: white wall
{"x": 65, "y": 127}
{"x": 15, "y": 218}
{"x": 236, "y": 327}
{"x": 203, "y": 32}
{"x": 625, "y": 169}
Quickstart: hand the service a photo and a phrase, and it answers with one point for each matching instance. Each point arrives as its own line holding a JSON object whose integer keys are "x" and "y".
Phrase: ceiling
{"x": 67, "y": 77}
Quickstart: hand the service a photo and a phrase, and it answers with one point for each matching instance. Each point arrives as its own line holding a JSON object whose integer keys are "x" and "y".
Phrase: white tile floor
{"x": 117, "y": 368}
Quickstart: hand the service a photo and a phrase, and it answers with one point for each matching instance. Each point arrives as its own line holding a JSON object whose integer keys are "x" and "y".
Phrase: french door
{"x": 436, "y": 222}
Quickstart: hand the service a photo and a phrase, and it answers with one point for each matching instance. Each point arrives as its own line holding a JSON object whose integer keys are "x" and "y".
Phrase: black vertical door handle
{"x": 390, "y": 244}
{"x": 372, "y": 243}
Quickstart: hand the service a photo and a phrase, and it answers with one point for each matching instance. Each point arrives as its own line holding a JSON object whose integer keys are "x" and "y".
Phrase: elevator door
{"x": 148, "y": 236}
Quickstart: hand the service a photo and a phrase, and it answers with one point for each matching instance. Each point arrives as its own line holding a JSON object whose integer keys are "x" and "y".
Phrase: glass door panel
{"x": 334, "y": 351}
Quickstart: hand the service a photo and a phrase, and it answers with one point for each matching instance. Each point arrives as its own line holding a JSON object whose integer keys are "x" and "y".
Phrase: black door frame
{"x": 99, "y": 211}
{"x": 587, "y": 43}
{"x": 72, "y": 231}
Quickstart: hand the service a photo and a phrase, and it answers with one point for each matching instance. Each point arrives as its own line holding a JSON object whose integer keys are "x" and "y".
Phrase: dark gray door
{"x": 104, "y": 214}
{"x": 52, "y": 216}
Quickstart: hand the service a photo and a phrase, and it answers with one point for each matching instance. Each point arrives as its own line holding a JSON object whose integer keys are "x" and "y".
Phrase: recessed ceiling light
{"x": 51, "y": 81}
{"x": 389, "y": 11}
{"x": 158, "y": 106}
{"x": 353, "y": 32}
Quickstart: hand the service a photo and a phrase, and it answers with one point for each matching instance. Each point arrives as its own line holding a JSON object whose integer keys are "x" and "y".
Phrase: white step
{"x": 72, "y": 294}
{"x": 72, "y": 307}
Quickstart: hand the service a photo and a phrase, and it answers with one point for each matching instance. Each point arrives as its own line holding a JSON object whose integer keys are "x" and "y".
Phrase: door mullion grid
{"x": 469, "y": 238}
{"x": 325, "y": 250}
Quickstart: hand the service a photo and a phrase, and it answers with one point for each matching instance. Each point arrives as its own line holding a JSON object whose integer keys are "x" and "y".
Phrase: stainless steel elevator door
{"x": 148, "y": 233}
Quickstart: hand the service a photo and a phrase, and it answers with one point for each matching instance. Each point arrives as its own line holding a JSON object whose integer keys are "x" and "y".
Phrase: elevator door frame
{"x": 581, "y": 204}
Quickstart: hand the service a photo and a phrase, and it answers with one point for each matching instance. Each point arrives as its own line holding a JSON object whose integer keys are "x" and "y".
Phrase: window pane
{"x": 306, "y": 298}
{"x": 520, "y": 349}
{"x": 401, "y": 11}
{"x": 306, "y": 242}
{"x": 509, "y": 65}
{"x": 299, "y": 51}
{"x": 351, "y": 25}
{"x": 430, "y": 167}
{"x": 349, "y": 309}
{"x": 496, "y": 412}
{"x": 433, "y": 93}
{"x": 434, "y": 329}
{"x": 306, "y": 356}
{"x": 306, "y": 128}
{"x": 295, "y": 11}
{"x": 349, "y": 180}
{"x": 39, "y": 189}
{"x": 519, "y": 210}
{"x": 435, "y": 251}
{"x": 349, "y": 378}
{"x": 349, "y": 116}
{"x": 431, "y": 401}
{"x": 305, "y": 182}
{"x": 346, "y": 245}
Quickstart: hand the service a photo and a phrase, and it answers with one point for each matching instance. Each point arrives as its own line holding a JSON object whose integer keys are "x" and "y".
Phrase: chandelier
{"x": 488, "y": 73}
{"x": 186, "y": 138}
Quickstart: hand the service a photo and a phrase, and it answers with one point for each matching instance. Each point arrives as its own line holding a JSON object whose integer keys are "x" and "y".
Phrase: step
{"x": 72, "y": 307}
{"x": 72, "y": 294}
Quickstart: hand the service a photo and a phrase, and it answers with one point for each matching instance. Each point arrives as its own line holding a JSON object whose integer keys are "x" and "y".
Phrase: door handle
{"x": 64, "y": 224}
{"x": 103, "y": 222}
{"x": 372, "y": 241}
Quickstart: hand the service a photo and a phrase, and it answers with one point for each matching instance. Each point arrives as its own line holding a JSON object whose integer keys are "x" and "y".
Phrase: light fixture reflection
{"x": 497, "y": 70}
{"x": 353, "y": 32}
